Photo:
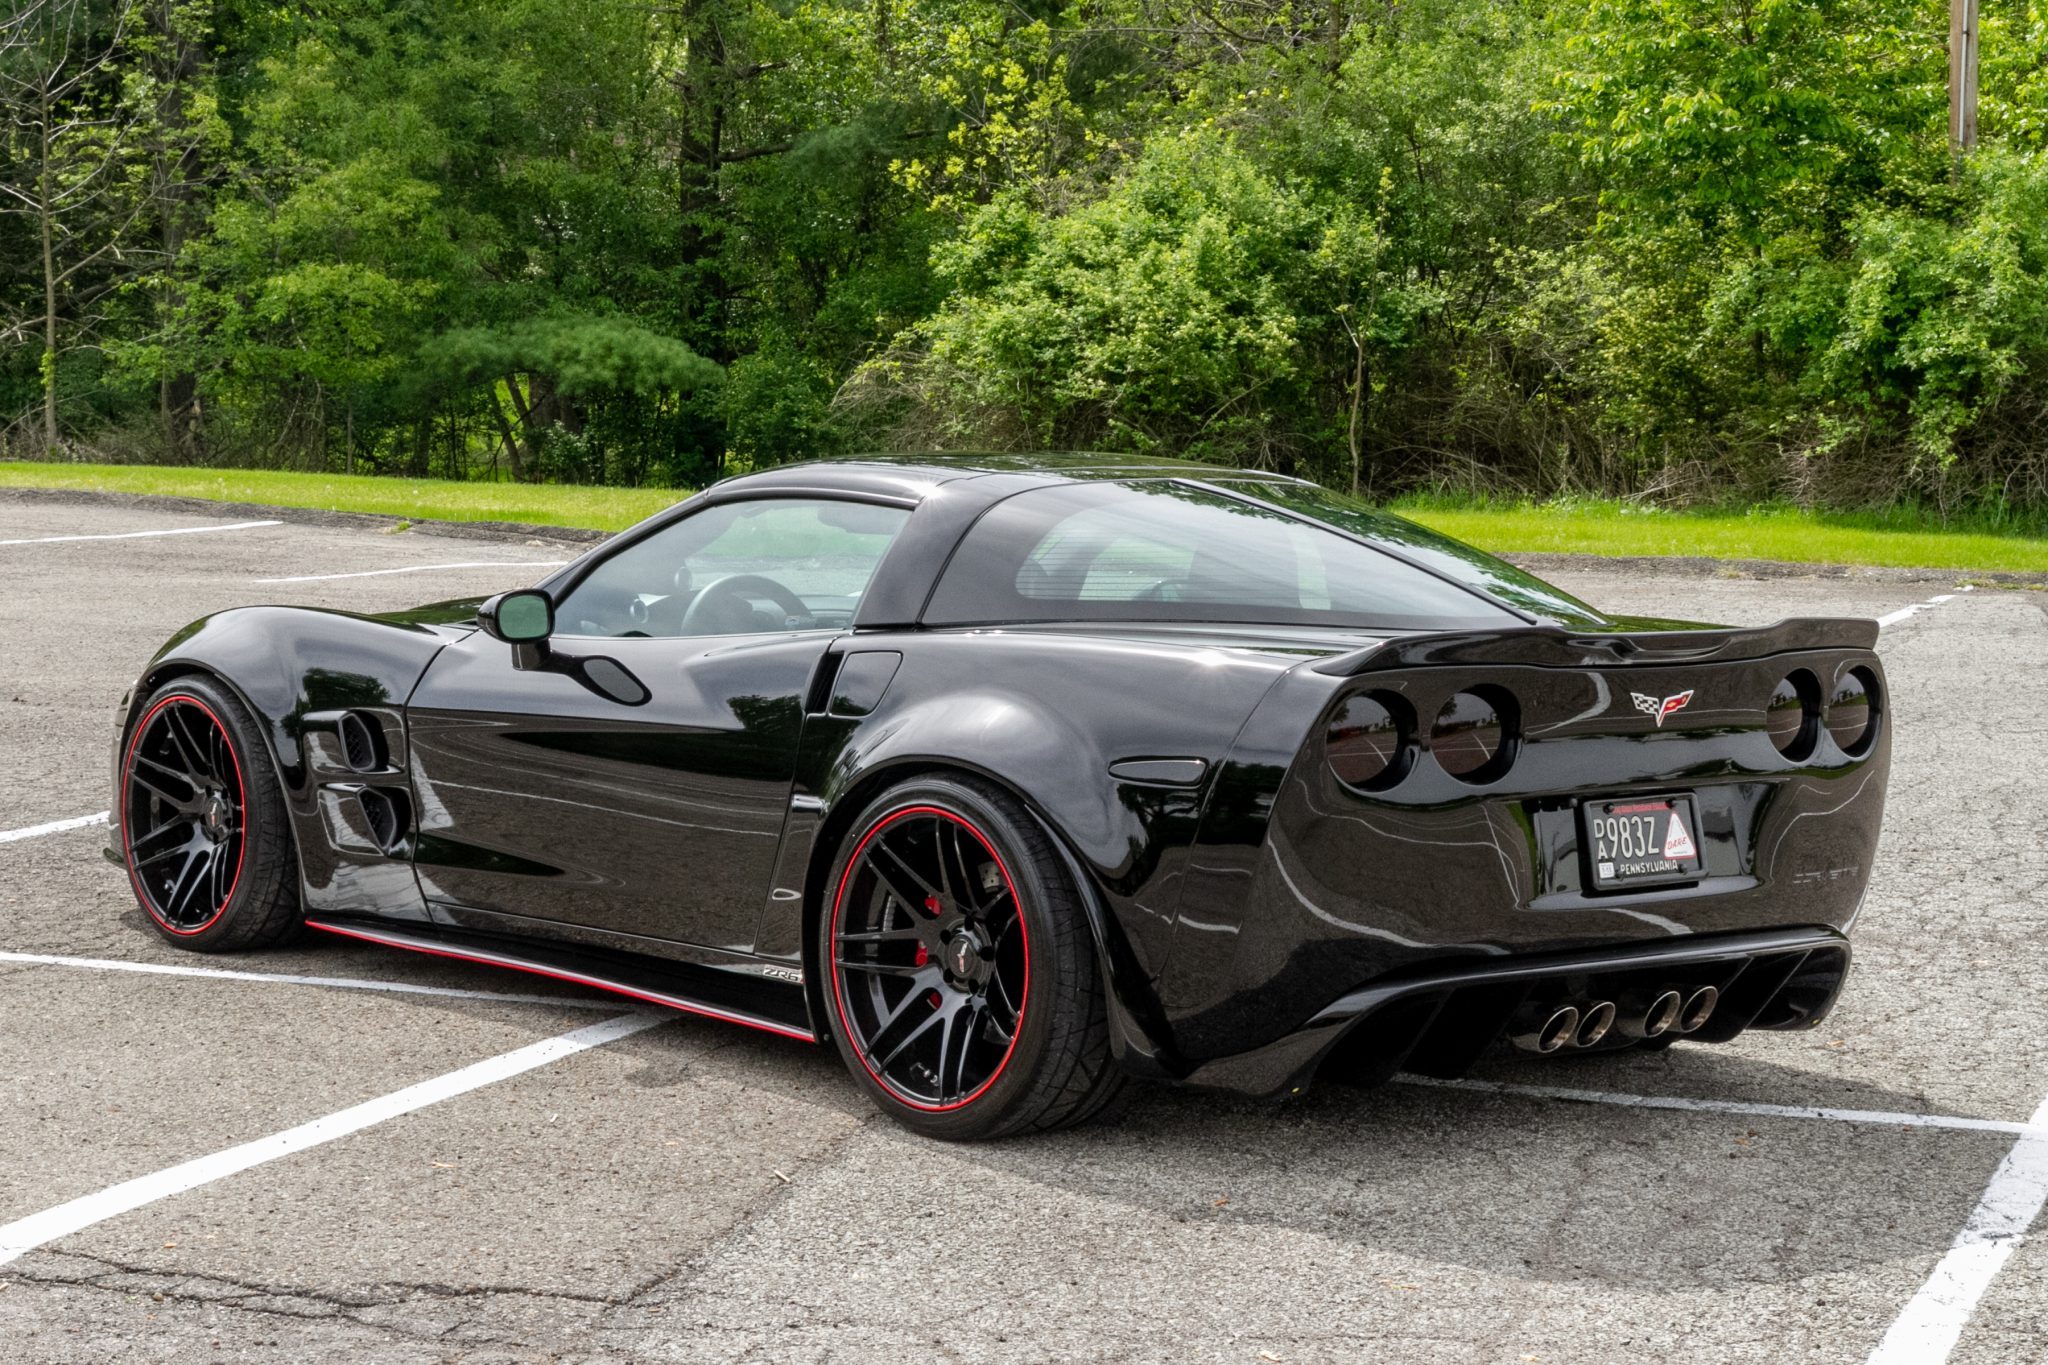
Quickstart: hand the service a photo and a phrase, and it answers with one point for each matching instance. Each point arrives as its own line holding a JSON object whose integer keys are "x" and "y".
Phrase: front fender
{"x": 295, "y": 668}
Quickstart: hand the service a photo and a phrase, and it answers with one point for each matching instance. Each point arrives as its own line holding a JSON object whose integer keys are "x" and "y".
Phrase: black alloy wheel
{"x": 202, "y": 828}
{"x": 183, "y": 814}
{"x": 965, "y": 994}
{"x": 932, "y": 960}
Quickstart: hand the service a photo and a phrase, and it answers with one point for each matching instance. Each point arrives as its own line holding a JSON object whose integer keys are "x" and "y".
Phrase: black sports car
{"x": 1019, "y": 778}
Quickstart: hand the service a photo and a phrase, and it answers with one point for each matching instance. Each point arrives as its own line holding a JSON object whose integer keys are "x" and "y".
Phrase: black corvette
{"x": 1017, "y": 779}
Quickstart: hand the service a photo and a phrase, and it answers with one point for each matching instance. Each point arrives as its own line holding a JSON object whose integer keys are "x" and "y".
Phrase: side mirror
{"x": 524, "y": 620}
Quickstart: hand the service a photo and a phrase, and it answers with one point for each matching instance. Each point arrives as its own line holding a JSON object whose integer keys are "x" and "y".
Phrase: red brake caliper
{"x": 931, "y": 905}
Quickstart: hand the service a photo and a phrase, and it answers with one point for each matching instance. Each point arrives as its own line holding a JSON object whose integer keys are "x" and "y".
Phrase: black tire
{"x": 1054, "y": 1069}
{"x": 202, "y": 825}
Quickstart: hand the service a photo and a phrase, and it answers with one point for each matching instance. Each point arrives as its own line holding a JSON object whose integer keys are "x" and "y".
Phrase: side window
{"x": 740, "y": 568}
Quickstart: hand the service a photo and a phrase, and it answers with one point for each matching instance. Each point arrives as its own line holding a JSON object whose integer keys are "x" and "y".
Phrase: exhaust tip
{"x": 1594, "y": 1024}
{"x": 1537, "y": 1031}
{"x": 1644, "y": 1015}
{"x": 1699, "y": 1006}
{"x": 1558, "y": 1030}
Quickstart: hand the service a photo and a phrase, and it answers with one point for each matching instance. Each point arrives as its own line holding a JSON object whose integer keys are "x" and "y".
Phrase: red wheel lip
{"x": 839, "y": 994}
{"x": 127, "y": 850}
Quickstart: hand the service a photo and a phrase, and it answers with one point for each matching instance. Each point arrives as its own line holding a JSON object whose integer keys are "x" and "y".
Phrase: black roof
{"x": 915, "y": 476}
{"x": 952, "y": 491}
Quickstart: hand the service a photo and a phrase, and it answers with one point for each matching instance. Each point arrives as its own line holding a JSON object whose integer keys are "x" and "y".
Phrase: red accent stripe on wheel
{"x": 241, "y": 792}
{"x": 839, "y": 993}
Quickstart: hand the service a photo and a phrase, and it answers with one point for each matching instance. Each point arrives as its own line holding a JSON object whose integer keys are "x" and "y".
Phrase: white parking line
{"x": 138, "y": 535}
{"x": 1927, "y": 1331}
{"x": 1893, "y": 618}
{"x": 424, "y": 568}
{"x": 344, "y": 983}
{"x": 26, "y": 1234}
{"x": 54, "y": 827}
{"x": 2036, "y": 1130}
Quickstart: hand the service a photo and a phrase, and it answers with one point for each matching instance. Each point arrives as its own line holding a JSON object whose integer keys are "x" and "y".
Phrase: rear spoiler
{"x": 1552, "y": 647}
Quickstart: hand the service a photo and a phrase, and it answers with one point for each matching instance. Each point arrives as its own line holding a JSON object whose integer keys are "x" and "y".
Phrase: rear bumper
{"x": 1301, "y": 890}
{"x": 1438, "y": 1022}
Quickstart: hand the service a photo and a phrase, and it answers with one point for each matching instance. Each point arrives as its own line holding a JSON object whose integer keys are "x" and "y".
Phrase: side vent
{"x": 362, "y": 742}
{"x": 389, "y": 815}
{"x": 820, "y": 695}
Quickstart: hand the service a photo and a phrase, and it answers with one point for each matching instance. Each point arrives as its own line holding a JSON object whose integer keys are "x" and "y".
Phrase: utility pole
{"x": 1962, "y": 75}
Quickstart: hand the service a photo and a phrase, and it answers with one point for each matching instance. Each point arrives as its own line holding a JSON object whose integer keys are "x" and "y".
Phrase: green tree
{"x": 1736, "y": 147}
{"x": 70, "y": 167}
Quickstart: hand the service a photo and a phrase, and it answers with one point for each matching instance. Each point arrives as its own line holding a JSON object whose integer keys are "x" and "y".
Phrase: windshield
{"x": 1166, "y": 550}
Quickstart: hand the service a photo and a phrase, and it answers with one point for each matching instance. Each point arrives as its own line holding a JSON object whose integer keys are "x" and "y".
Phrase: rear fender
{"x": 1118, "y": 839}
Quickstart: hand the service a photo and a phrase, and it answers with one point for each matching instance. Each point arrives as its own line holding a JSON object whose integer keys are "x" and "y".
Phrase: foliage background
{"x": 1682, "y": 249}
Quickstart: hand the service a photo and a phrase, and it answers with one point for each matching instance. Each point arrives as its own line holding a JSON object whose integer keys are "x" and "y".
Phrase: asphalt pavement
{"x": 282, "y": 1157}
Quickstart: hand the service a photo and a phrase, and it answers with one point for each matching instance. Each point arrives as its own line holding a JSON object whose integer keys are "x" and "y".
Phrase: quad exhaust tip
{"x": 1699, "y": 1007}
{"x": 1647, "y": 1016}
{"x": 1559, "y": 1028}
{"x": 1582, "y": 1026}
{"x": 1594, "y": 1022}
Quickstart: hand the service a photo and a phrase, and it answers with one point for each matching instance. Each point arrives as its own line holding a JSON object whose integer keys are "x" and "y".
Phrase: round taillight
{"x": 1369, "y": 741}
{"x": 1852, "y": 711}
{"x": 1474, "y": 735}
{"x": 1792, "y": 718}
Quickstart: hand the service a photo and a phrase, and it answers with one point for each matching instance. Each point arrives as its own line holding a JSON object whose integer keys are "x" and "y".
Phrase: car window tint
{"x": 1495, "y": 577}
{"x": 772, "y": 564}
{"x": 1168, "y": 550}
{"x": 1078, "y": 560}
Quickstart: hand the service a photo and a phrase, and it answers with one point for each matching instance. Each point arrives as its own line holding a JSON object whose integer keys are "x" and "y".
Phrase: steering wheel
{"x": 714, "y": 602}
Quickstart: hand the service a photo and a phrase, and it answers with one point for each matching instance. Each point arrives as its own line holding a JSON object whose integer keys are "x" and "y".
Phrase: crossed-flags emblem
{"x": 1661, "y": 707}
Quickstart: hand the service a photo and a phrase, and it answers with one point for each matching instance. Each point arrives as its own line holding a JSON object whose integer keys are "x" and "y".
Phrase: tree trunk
{"x": 45, "y": 211}
{"x": 320, "y": 423}
{"x": 704, "y": 85}
{"x": 178, "y": 395}
{"x": 176, "y": 170}
{"x": 1356, "y": 433}
{"x": 529, "y": 422}
{"x": 551, "y": 407}
{"x": 506, "y": 434}
{"x": 519, "y": 404}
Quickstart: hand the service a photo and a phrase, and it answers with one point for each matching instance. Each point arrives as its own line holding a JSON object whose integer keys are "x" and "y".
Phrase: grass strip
{"x": 1901, "y": 539}
{"x": 1793, "y": 535}
{"x": 602, "y": 509}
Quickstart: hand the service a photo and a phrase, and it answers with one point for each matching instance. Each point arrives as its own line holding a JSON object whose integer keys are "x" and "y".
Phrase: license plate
{"x": 1641, "y": 841}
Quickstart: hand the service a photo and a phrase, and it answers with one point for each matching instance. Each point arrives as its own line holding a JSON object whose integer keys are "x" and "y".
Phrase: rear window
{"x": 1169, "y": 551}
{"x": 1452, "y": 558}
